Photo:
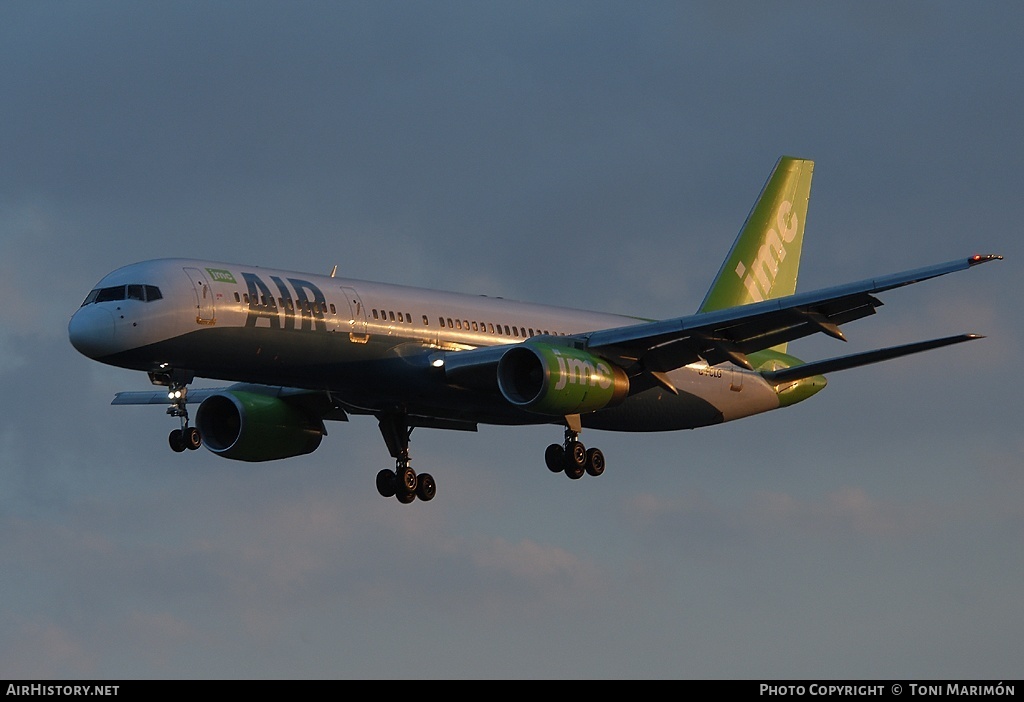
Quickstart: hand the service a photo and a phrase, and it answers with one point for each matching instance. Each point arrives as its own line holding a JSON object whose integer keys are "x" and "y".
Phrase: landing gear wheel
{"x": 554, "y": 457}
{"x": 426, "y": 488}
{"x": 406, "y": 478}
{"x": 595, "y": 462}
{"x": 192, "y": 438}
{"x": 576, "y": 454}
{"x": 177, "y": 441}
{"x": 386, "y": 481}
{"x": 575, "y": 460}
{"x": 405, "y": 497}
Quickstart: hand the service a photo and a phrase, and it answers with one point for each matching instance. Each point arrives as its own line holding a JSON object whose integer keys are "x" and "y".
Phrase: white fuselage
{"x": 370, "y": 343}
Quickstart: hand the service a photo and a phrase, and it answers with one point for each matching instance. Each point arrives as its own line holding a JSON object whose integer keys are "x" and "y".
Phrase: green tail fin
{"x": 765, "y": 257}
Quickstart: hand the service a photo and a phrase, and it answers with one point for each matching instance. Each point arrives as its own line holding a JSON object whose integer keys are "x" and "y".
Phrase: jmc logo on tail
{"x": 760, "y": 276}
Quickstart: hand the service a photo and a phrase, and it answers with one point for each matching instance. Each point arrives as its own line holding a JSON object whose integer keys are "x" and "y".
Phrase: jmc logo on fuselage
{"x": 307, "y": 305}
{"x": 219, "y": 275}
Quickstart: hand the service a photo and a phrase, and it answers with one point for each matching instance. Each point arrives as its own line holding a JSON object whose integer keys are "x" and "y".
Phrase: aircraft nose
{"x": 91, "y": 331}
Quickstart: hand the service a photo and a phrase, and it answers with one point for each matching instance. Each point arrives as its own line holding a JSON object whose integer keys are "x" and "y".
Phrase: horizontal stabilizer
{"x": 861, "y": 359}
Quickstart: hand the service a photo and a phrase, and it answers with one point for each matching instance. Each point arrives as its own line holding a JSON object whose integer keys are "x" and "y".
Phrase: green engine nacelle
{"x": 559, "y": 380}
{"x": 247, "y": 426}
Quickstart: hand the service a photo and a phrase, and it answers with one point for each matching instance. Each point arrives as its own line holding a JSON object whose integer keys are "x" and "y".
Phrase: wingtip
{"x": 978, "y": 259}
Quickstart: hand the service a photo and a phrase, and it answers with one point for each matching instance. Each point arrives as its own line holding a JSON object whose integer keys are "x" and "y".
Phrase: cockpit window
{"x": 108, "y": 294}
{"x": 144, "y": 293}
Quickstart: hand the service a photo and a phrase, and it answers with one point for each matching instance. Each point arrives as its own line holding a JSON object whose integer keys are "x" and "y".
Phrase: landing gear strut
{"x": 187, "y": 437}
{"x": 572, "y": 457}
{"x": 401, "y": 483}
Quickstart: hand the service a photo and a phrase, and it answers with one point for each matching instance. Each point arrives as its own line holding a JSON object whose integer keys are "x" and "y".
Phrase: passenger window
{"x": 408, "y": 318}
{"x": 490, "y": 328}
{"x": 425, "y": 322}
{"x": 391, "y": 315}
{"x": 475, "y": 328}
{"x": 458, "y": 324}
{"x": 375, "y": 314}
{"x": 333, "y": 309}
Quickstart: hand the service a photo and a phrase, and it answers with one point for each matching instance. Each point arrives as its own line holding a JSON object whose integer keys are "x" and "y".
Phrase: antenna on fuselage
{"x": 334, "y": 270}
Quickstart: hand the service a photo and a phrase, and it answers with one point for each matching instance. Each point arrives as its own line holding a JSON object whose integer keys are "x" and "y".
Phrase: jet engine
{"x": 247, "y": 426}
{"x": 559, "y": 380}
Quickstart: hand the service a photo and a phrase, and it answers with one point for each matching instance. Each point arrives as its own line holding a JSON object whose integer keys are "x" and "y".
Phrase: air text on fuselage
{"x": 307, "y": 304}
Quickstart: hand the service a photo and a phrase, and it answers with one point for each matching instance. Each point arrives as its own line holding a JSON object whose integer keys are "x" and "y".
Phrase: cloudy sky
{"x": 591, "y": 154}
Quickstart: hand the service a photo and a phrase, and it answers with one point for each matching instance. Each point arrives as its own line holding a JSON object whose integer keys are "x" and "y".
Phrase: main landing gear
{"x": 187, "y": 437}
{"x": 573, "y": 458}
{"x": 402, "y": 483}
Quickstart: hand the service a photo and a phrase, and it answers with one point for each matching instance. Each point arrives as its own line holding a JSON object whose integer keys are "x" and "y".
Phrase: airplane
{"x": 303, "y": 349}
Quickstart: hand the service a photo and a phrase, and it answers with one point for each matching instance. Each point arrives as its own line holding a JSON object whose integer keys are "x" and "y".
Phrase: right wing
{"x": 730, "y": 334}
{"x": 649, "y": 350}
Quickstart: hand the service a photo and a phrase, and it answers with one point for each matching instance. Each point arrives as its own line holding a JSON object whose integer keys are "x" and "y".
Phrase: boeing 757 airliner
{"x": 301, "y": 349}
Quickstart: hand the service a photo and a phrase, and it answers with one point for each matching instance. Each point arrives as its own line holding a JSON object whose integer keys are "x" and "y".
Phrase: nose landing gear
{"x": 187, "y": 437}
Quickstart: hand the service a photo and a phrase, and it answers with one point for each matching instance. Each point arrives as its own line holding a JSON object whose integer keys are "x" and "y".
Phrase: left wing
{"x": 317, "y": 403}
